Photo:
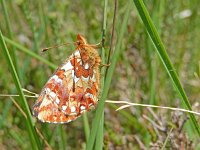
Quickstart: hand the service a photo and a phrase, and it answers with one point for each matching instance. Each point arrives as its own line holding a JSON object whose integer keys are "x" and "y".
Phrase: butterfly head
{"x": 81, "y": 41}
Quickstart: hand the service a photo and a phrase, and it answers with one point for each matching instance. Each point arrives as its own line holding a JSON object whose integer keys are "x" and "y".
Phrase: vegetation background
{"x": 136, "y": 74}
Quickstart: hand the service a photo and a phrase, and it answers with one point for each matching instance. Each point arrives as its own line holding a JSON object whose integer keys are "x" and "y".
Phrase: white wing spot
{"x": 59, "y": 81}
{"x": 73, "y": 109}
{"x": 77, "y": 56}
{"x": 47, "y": 90}
{"x": 40, "y": 116}
{"x": 52, "y": 94}
{"x": 74, "y": 77}
{"x": 77, "y": 53}
{"x": 82, "y": 107}
{"x": 89, "y": 95}
{"x": 55, "y": 77}
{"x": 67, "y": 66}
{"x": 68, "y": 121}
{"x": 86, "y": 66}
{"x": 64, "y": 107}
{"x": 93, "y": 78}
{"x": 57, "y": 101}
{"x": 45, "y": 102}
{"x": 85, "y": 79}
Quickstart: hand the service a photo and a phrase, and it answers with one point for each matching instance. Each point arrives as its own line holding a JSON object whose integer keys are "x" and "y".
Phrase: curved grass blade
{"x": 98, "y": 115}
{"x": 30, "y": 126}
{"x": 86, "y": 126}
{"x": 29, "y": 52}
{"x": 99, "y": 137}
{"x": 164, "y": 56}
{"x": 10, "y": 33}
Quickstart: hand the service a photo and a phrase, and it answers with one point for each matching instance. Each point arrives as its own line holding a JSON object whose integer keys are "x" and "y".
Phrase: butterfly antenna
{"x": 55, "y": 46}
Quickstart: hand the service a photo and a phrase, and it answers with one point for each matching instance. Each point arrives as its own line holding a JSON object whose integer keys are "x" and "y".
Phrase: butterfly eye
{"x": 78, "y": 42}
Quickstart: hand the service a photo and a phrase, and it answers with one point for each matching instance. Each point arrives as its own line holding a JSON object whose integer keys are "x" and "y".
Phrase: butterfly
{"x": 73, "y": 88}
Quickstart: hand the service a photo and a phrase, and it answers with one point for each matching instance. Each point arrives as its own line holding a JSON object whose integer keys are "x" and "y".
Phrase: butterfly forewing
{"x": 72, "y": 89}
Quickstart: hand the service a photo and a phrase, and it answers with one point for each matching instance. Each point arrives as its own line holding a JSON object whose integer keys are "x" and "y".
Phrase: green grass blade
{"x": 30, "y": 53}
{"x": 100, "y": 134}
{"x": 62, "y": 136}
{"x": 164, "y": 56}
{"x": 6, "y": 110}
{"x": 31, "y": 130}
{"x": 108, "y": 79}
{"x": 29, "y": 18}
{"x": 17, "y": 137}
{"x": 99, "y": 137}
{"x": 10, "y": 34}
{"x": 86, "y": 126}
{"x": 167, "y": 138}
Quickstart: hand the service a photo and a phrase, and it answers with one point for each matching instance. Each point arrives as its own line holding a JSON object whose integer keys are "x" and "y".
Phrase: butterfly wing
{"x": 72, "y": 90}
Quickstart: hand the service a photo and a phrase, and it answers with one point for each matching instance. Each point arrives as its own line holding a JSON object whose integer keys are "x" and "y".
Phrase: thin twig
{"x": 147, "y": 105}
{"x": 167, "y": 138}
{"x": 112, "y": 34}
{"x": 154, "y": 115}
{"x": 25, "y": 90}
{"x": 154, "y": 123}
{"x": 34, "y": 95}
{"x": 20, "y": 109}
{"x": 182, "y": 124}
{"x": 142, "y": 146}
{"x": 42, "y": 137}
{"x": 15, "y": 95}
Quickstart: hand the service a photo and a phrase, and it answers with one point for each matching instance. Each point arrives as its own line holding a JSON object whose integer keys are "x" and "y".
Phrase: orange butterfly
{"x": 73, "y": 88}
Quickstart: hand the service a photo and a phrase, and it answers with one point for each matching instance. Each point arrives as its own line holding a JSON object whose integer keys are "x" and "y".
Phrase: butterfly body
{"x": 73, "y": 88}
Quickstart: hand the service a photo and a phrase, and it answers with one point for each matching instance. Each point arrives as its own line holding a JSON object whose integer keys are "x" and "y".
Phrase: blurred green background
{"x": 139, "y": 74}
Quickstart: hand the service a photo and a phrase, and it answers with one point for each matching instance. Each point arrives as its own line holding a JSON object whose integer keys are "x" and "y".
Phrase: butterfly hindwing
{"x": 71, "y": 90}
